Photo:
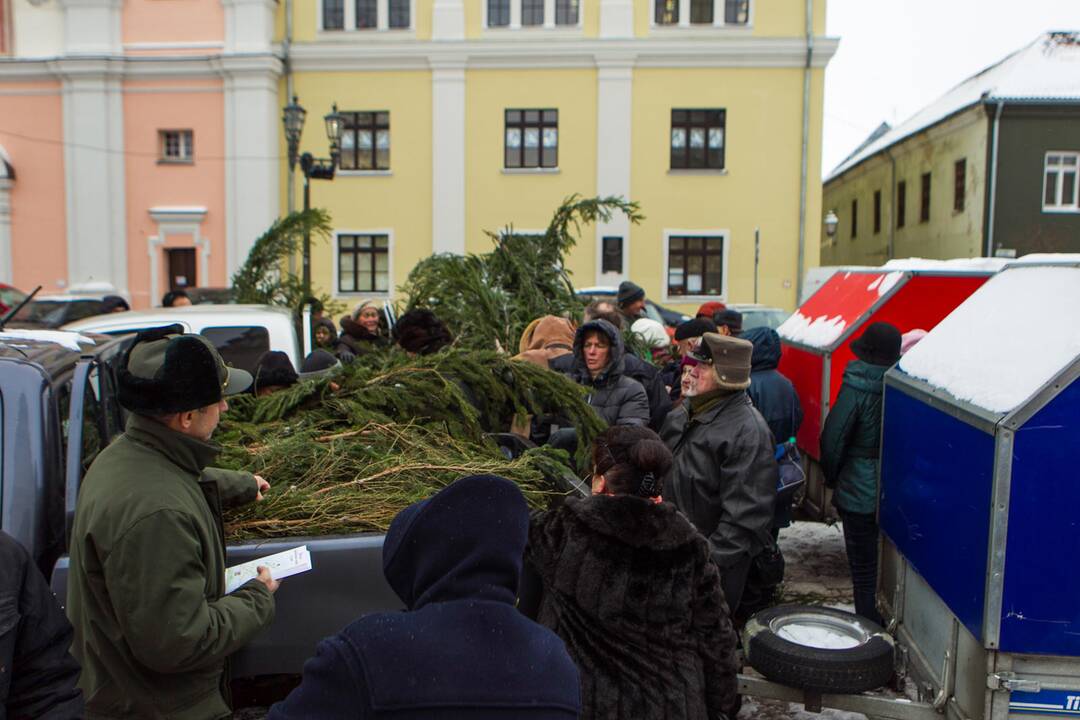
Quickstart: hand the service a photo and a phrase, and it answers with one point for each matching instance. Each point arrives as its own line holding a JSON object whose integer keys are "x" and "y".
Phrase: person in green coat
{"x": 850, "y": 443}
{"x": 146, "y": 592}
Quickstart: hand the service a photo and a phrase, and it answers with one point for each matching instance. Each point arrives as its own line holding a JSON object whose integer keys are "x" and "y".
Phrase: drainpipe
{"x": 286, "y": 47}
{"x": 892, "y": 208}
{"x": 993, "y": 180}
{"x": 801, "y": 267}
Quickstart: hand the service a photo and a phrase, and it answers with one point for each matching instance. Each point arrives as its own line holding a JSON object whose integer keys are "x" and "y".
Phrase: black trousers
{"x": 861, "y": 542}
{"x": 733, "y": 582}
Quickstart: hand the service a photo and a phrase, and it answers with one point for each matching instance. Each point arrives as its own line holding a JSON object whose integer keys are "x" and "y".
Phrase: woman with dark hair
{"x": 628, "y": 584}
{"x": 419, "y": 332}
{"x": 361, "y": 332}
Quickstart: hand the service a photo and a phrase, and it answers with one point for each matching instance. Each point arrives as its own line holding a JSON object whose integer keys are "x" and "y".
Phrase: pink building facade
{"x": 138, "y": 142}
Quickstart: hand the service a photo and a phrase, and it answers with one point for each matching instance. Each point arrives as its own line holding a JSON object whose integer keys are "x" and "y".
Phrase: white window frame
{"x": 515, "y": 18}
{"x": 1062, "y": 205}
{"x": 382, "y": 19}
{"x": 669, "y": 233}
{"x": 187, "y": 147}
{"x": 389, "y": 233}
{"x": 719, "y": 8}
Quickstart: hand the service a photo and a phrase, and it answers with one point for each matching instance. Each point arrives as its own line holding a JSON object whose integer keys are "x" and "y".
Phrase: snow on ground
{"x": 816, "y": 569}
{"x": 1004, "y": 342}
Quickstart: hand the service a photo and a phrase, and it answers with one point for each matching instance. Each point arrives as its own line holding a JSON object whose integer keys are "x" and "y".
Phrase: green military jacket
{"x": 851, "y": 437}
{"x": 146, "y": 593}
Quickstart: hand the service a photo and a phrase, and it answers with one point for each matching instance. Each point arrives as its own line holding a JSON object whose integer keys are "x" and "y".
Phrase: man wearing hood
{"x": 850, "y": 442}
{"x": 725, "y": 473}
{"x": 460, "y": 650}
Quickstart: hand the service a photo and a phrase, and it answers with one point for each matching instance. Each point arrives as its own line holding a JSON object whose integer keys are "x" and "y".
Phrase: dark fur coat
{"x": 630, "y": 587}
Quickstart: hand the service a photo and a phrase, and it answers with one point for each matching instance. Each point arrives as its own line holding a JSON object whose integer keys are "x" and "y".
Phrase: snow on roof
{"x": 1004, "y": 342}
{"x": 840, "y": 302}
{"x": 1048, "y": 69}
{"x": 69, "y": 340}
{"x": 1047, "y": 258}
{"x": 957, "y": 265}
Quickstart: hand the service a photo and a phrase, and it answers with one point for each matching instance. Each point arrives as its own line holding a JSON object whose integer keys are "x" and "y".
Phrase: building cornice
{"x": 140, "y": 68}
{"x": 351, "y": 53}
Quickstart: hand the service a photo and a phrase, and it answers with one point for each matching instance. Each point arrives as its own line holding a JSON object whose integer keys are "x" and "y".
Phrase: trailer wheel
{"x": 819, "y": 648}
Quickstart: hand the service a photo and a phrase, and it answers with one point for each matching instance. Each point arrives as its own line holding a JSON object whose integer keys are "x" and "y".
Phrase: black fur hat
{"x": 420, "y": 332}
{"x": 275, "y": 369}
{"x": 166, "y": 371}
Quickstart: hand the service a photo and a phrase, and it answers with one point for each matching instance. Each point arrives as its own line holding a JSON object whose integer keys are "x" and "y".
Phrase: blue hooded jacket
{"x": 461, "y": 650}
{"x": 772, "y": 394}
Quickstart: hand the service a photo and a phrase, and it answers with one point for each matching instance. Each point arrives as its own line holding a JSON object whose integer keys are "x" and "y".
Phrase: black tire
{"x": 866, "y": 666}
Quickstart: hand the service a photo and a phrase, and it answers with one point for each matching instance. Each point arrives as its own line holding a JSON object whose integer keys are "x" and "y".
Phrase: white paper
{"x": 281, "y": 565}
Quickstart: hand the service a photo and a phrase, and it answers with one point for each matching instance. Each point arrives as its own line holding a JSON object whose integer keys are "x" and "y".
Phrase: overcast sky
{"x": 897, "y": 56}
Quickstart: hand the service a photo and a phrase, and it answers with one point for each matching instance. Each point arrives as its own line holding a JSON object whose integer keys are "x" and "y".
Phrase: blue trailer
{"x": 980, "y": 504}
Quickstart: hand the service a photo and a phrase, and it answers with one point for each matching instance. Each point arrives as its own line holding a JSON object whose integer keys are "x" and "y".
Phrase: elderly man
{"x": 146, "y": 594}
{"x": 724, "y": 476}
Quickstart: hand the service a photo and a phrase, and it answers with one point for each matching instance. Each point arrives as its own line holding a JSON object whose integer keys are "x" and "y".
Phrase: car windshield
{"x": 653, "y": 314}
{"x": 771, "y": 318}
{"x": 57, "y": 312}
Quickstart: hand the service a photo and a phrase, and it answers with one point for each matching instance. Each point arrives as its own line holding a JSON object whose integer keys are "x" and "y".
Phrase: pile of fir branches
{"x": 346, "y": 453}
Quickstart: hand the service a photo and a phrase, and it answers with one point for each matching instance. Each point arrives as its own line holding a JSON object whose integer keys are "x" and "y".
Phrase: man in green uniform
{"x": 146, "y": 596}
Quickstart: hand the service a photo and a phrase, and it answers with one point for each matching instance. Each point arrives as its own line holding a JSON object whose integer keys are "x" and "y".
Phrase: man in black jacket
{"x": 725, "y": 473}
{"x": 38, "y": 675}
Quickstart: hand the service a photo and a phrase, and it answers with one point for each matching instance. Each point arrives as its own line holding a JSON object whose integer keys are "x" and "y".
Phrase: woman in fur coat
{"x": 628, "y": 584}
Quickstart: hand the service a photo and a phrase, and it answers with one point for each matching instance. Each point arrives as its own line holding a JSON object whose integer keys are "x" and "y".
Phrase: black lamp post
{"x": 318, "y": 168}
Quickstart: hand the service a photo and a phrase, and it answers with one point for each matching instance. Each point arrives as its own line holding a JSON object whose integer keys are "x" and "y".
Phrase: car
{"x": 654, "y": 311}
{"x": 241, "y": 333}
{"x": 755, "y": 315}
{"x": 54, "y": 311}
{"x": 10, "y": 296}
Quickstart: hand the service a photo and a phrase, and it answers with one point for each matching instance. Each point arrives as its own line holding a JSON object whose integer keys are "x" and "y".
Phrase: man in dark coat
{"x": 633, "y": 367}
{"x": 146, "y": 594}
{"x": 850, "y": 442}
{"x": 725, "y": 472}
{"x": 631, "y": 300}
{"x": 38, "y": 676}
{"x": 460, "y": 650}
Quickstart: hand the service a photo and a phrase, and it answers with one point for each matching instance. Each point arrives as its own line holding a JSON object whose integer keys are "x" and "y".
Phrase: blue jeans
{"x": 861, "y": 543}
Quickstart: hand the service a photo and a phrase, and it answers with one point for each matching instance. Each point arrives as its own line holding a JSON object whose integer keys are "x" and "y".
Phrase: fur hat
{"x": 275, "y": 369}
{"x": 878, "y": 345}
{"x": 420, "y": 332}
{"x": 729, "y": 357}
{"x": 629, "y": 292}
{"x": 165, "y": 371}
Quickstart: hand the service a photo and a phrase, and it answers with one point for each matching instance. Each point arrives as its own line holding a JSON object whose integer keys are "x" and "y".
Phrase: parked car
{"x": 653, "y": 310}
{"x": 10, "y": 296}
{"x": 756, "y": 315}
{"x": 210, "y": 295}
{"x": 53, "y": 311}
{"x": 241, "y": 333}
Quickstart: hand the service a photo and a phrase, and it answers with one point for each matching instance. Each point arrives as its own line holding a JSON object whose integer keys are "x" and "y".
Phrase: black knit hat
{"x": 694, "y": 328}
{"x": 731, "y": 318}
{"x": 629, "y": 292}
{"x": 318, "y": 364}
{"x": 419, "y": 331}
{"x": 165, "y": 371}
{"x": 275, "y": 369}
{"x": 878, "y": 345}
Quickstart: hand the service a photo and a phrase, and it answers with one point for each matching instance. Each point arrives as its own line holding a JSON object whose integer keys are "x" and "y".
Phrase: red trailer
{"x": 817, "y": 339}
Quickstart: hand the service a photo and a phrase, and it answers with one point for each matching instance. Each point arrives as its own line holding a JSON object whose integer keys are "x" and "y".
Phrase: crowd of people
{"x": 621, "y": 604}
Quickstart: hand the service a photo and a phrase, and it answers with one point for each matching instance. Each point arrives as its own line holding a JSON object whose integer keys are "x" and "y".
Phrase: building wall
{"x": 32, "y": 136}
{"x": 1021, "y": 224}
{"x": 37, "y": 30}
{"x": 173, "y": 26}
{"x": 949, "y": 233}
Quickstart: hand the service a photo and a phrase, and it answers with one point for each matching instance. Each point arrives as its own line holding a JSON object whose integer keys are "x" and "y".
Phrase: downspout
{"x": 993, "y": 180}
{"x": 891, "y": 250}
{"x": 801, "y": 267}
{"x": 286, "y": 62}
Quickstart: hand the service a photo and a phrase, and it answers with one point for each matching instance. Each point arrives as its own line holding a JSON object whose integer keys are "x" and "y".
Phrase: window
{"x": 667, "y": 12}
{"x": 924, "y": 201}
{"x": 399, "y": 14}
{"x": 1060, "y": 185}
{"x": 333, "y": 15}
{"x": 567, "y": 12}
{"x": 959, "y": 177}
{"x": 695, "y": 266}
{"x": 240, "y": 347}
{"x": 365, "y": 141}
{"x": 363, "y": 263}
{"x": 532, "y": 12}
{"x": 736, "y": 12}
{"x": 367, "y": 14}
{"x": 701, "y": 12}
{"x": 901, "y": 203}
{"x": 532, "y": 139}
{"x": 612, "y": 255}
{"x": 498, "y": 13}
{"x": 854, "y": 219}
{"x": 877, "y": 211}
{"x": 697, "y": 139}
{"x": 176, "y": 146}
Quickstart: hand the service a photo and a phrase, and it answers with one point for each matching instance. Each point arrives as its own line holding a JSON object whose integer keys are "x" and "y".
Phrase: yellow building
{"x": 473, "y": 115}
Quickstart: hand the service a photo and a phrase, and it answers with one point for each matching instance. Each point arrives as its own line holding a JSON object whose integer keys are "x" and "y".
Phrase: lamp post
{"x": 831, "y": 222}
{"x": 293, "y": 117}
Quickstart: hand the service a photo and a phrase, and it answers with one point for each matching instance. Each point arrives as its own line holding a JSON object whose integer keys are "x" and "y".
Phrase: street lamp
{"x": 831, "y": 222}
{"x": 318, "y": 168}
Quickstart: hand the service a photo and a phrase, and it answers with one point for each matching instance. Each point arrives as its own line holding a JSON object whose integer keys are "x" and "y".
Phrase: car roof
{"x": 187, "y": 312}
{"x": 67, "y": 298}
{"x": 50, "y": 348}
